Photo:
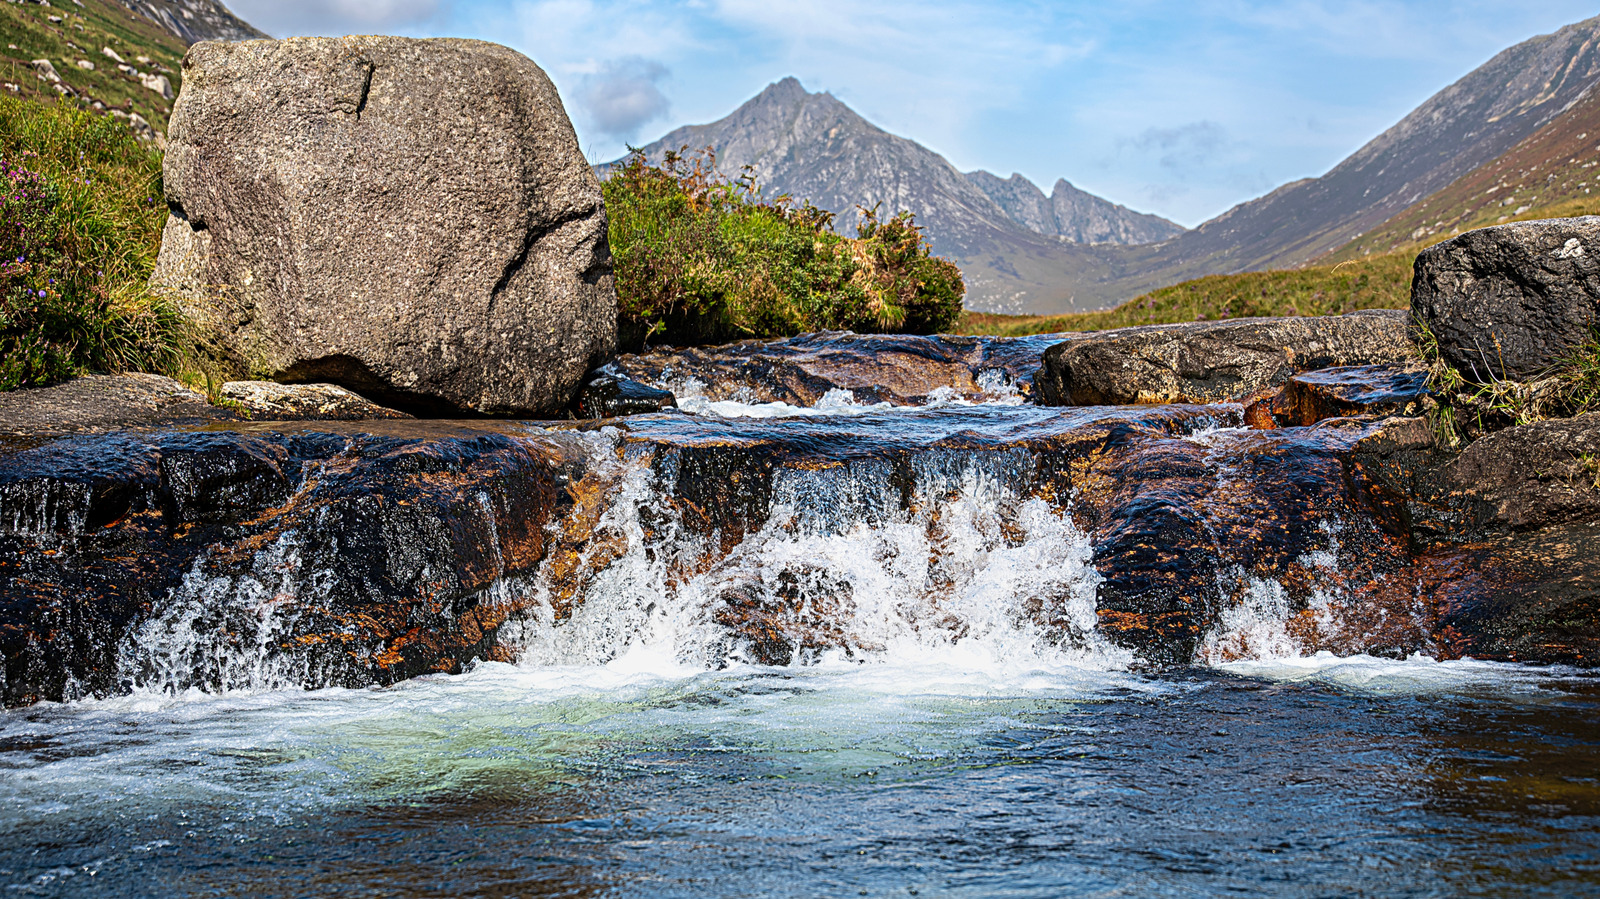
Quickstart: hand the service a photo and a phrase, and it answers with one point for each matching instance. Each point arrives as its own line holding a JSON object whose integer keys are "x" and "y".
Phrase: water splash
{"x": 843, "y": 568}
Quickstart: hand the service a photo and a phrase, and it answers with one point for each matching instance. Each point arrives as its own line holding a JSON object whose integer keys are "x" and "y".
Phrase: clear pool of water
{"x": 951, "y": 774}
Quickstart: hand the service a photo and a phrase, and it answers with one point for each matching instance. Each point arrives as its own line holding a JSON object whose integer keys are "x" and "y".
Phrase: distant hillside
{"x": 1462, "y": 127}
{"x": 814, "y": 147}
{"x": 148, "y": 38}
{"x": 83, "y": 33}
{"x": 1556, "y": 172}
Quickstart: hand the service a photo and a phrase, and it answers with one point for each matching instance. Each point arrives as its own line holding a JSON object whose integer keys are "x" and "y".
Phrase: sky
{"x": 1183, "y": 108}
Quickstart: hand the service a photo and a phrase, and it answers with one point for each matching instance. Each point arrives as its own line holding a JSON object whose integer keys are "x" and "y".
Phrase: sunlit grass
{"x": 81, "y": 215}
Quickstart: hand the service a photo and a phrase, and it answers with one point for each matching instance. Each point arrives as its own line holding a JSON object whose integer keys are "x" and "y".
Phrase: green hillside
{"x": 82, "y": 33}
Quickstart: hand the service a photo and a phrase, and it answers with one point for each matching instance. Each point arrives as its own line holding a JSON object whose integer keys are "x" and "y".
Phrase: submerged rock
{"x": 1509, "y": 302}
{"x": 607, "y": 396}
{"x": 410, "y": 219}
{"x": 895, "y": 368}
{"x": 1214, "y": 362}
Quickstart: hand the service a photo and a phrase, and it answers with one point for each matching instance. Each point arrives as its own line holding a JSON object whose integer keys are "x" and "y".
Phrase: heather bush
{"x": 80, "y": 227}
{"x": 702, "y": 259}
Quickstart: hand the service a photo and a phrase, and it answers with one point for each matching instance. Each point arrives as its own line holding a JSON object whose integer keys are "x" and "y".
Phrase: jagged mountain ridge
{"x": 814, "y": 147}
{"x": 193, "y": 21}
{"x": 1072, "y": 214}
{"x": 1461, "y": 128}
{"x": 1549, "y": 174}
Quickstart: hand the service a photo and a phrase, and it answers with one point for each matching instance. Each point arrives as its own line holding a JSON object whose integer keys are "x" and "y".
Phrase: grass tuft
{"x": 1468, "y": 409}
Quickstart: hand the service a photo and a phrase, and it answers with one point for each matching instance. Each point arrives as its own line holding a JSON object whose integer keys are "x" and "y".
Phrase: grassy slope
{"x": 27, "y": 34}
{"x": 1377, "y": 282}
{"x": 79, "y": 248}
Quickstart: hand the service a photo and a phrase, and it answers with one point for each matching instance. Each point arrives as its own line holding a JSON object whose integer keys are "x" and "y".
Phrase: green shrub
{"x": 701, "y": 259}
{"x": 81, "y": 213}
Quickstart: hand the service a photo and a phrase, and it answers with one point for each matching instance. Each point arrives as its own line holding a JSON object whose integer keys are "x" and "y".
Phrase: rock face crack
{"x": 368, "y": 68}
{"x": 533, "y": 238}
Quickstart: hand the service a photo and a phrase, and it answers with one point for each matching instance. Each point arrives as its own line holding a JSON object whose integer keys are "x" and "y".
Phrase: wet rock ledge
{"x": 329, "y": 553}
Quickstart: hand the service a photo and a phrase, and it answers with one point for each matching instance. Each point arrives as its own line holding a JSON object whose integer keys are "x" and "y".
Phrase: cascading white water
{"x": 844, "y": 570}
{"x": 848, "y": 563}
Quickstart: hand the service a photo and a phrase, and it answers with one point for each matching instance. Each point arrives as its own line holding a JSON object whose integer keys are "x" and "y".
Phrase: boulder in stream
{"x": 271, "y": 401}
{"x": 409, "y": 219}
{"x": 1508, "y": 302}
{"x": 1214, "y": 362}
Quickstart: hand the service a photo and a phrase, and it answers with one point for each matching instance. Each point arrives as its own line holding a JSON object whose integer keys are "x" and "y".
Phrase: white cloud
{"x": 624, "y": 96}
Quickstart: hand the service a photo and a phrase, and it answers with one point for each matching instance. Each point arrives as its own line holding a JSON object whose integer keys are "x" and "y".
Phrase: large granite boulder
{"x": 1214, "y": 362}
{"x": 1506, "y": 303}
{"x": 410, "y": 219}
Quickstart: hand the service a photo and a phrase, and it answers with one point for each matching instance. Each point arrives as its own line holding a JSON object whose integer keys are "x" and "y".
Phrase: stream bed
{"x": 965, "y": 649}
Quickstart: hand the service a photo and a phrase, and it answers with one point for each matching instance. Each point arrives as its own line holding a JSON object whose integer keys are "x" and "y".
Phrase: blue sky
{"x": 1179, "y": 107}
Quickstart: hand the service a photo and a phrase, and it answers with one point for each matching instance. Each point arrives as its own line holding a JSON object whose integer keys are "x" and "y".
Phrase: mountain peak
{"x": 785, "y": 90}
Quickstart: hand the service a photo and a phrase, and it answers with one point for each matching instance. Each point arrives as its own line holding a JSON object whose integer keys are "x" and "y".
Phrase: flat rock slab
{"x": 270, "y": 401}
{"x": 1508, "y": 302}
{"x": 901, "y": 369}
{"x": 1214, "y": 362}
{"x": 98, "y": 403}
{"x": 1343, "y": 392}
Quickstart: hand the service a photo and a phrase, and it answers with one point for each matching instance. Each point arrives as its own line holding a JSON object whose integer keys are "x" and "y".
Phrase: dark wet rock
{"x": 897, "y": 368}
{"x": 1531, "y": 477}
{"x": 608, "y": 396}
{"x": 804, "y": 612}
{"x": 1160, "y": 591}
{"x": 1532, "y": 597}
{"x": 1188, "y": 530}
{"x": 270, "y": 401}
{"x": 98, "y": 403}
{"x": 1310, "y": 397}
{"x": 410, "y": 219}
{"x": 1510, "y": 301}
{"x": 1214, "y": 362}
{"x": 278, "y": 556}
